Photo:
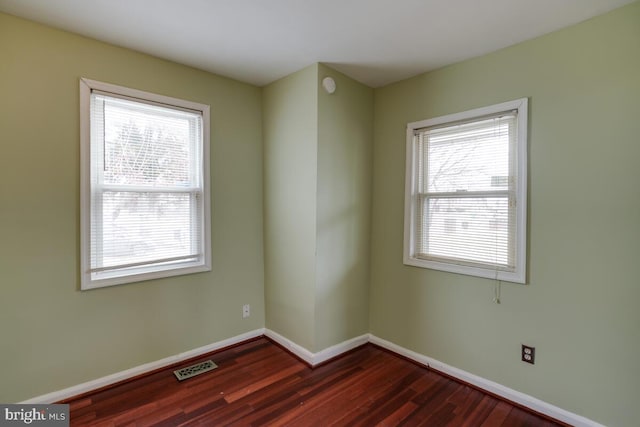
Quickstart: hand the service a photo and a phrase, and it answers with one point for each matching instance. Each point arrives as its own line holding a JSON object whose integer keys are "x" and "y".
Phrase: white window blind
{"x": 147, "y": 206}
{"x": 464, "y": 195}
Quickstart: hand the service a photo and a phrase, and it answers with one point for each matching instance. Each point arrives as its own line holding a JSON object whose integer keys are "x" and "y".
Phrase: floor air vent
{"x": 193, "y": 370}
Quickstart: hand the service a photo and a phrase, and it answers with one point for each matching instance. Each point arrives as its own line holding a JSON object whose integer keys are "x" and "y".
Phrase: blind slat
{"x": 147, "y": 189}
{"x": 466, "y": 180}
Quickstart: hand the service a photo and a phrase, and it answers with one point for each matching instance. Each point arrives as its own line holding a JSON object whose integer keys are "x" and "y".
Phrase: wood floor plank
{"x": 258, "y": 383}
{"x": 497, "y": 415}
{"x": 357, "y": 399}
{"x": 399, "y": 415}
{"x": 477, "y": 412}
{"x": 375, "y": 405}
{"x": 383, "y": 410}
{"x": 335, "y": 400}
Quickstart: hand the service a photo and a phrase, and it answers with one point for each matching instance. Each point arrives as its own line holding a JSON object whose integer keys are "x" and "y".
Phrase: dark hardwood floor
{"x": 258, "y": 383}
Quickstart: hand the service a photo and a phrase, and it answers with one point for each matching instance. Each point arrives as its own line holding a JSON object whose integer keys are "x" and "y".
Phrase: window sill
{"x": 487, "y": 273}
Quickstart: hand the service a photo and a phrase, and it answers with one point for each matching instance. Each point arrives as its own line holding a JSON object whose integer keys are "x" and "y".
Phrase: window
{"x": 144, "y": 186}
{"x": 466, "y": 192}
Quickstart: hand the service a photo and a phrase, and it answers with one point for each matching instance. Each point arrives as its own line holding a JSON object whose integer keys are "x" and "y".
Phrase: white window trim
{"x": 517, "y": 276}
{"x": 86, "y": 282}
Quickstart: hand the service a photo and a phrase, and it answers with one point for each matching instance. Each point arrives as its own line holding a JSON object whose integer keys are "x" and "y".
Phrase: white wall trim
{"x": 289, "y": 345}
{"x": 314, "y": 359}
{"x": 490, "y": 386}
{"x": 338, "y": 349}
{"x": 322, "y": 356}
{"x": 66, "y": 393}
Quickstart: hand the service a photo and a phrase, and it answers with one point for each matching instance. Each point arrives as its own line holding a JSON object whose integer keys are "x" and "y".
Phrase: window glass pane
{"x": 468, "y": 157}
{"x": 147, "y": 144}
{"x": 139, "y": 227}
{"x": 466, "y": 229}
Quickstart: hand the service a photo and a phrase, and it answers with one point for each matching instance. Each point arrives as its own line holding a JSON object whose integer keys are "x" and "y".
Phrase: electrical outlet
{"x": 246, "y": 311}
{"x": 528, "y": 354}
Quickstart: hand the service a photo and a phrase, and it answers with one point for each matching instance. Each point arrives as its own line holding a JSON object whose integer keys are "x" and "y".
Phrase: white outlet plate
{"x": 246, "y": 311}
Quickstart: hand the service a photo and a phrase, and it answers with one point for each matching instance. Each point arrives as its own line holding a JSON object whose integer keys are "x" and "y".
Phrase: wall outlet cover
{"x": 528, "y": 354}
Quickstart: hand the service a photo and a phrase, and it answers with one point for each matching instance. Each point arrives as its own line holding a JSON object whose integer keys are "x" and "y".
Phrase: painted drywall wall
{"x": 52, "y": 335}
{"x": 317, "y": 186}
{"x": 579, "y": 308}
{"x": 345, "y": 146}
{"x": 290, "y": 177}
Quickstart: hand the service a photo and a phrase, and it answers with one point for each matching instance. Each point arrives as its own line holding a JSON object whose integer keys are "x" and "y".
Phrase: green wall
{"x": 54, "y": 336}
{"x": 317, "y": 186}
{"x": 580, "y": 306}
{"x": 290, "y": 179}
{"x": 345, "y": 146}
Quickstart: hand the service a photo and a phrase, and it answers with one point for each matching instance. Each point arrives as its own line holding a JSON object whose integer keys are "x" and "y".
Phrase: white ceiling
{"x": 258, "y": 41}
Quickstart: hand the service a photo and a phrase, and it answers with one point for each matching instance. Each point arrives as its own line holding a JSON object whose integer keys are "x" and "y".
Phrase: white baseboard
{"x": 76, "y": 390}
{"x": 490, "y": 386}
{"x": 314, "y": 359}
{"x": 338, "y": 349}
{"x": 289, "y": 345}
